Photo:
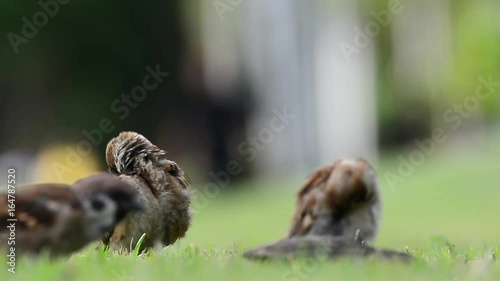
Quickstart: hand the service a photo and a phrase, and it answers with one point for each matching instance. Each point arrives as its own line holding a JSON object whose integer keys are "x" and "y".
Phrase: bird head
{"x": 106, "y": 200}
{"x": 352, "y": 183}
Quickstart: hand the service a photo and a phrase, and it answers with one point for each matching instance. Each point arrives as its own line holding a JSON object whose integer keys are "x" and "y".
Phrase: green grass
{"x": 446, "y": 213}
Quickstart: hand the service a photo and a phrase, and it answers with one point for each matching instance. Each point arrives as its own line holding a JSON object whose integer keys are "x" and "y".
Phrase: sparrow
{"x": 61, "y": 219}
{"x": 341, "y": 199}
{"x": 337, "y": 213}
{"x": 162, "y": 188}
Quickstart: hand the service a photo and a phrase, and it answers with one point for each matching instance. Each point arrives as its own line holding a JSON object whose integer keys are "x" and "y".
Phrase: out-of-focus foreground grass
{"x": 446, "y": 213}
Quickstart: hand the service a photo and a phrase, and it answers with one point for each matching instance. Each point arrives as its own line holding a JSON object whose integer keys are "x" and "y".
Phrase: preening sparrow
{"x": 342, "y": 199}
{"x": 162, "y": 187}
{"x": 337, "y": 214}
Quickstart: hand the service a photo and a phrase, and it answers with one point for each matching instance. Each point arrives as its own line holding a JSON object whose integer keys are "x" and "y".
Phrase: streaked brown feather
{"x": 36, "y": 206}
{"x": 333, "y": 189}
{"x": 304, "y": 217}
{"x": 167, "y": 216}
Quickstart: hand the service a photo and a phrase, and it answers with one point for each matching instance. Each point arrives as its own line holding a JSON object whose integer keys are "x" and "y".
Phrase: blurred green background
{"x": 410, "y": 85}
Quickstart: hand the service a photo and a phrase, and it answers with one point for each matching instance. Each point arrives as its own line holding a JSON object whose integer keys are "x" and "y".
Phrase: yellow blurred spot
{"x": 64, "y": 163}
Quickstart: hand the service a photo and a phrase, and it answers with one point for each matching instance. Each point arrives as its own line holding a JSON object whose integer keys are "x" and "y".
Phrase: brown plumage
{"x": 61, "y": 219}
{"x": 341, "y": 199}
{"x": 337, "y": 214}
{"x": 162, "y": 188}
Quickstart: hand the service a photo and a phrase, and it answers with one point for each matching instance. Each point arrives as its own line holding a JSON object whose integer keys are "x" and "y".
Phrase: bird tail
{"x": 322, "y": 246}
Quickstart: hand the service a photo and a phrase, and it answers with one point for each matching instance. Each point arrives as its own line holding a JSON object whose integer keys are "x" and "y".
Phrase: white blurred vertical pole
{"x": 221, "y": 63}
{"x": 274, "y": 65}
{"x": 345, "y": 89}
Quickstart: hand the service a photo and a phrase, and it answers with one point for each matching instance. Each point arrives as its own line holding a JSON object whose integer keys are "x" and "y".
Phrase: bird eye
{"x": 97, "y": 204}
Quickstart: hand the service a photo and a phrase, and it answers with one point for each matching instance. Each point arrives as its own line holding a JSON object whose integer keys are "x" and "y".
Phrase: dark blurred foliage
{"x": 84, "y": 58}
{"x": 66, "y": 78}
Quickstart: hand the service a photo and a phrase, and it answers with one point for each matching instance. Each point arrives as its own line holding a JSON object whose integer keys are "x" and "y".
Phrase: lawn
{"x": 446, "y": 213}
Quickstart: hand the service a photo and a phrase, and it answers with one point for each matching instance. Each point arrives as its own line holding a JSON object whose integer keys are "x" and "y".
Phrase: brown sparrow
{"x": 342, "y": 199}
{"x": 162, "y": 187}
{"x": 337, "y": 211}
{"x": 62, "y": 219}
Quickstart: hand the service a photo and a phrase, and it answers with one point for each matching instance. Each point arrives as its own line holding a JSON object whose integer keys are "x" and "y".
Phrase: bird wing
{"x": 305, "y": 246}
{"x": 171, "y": 168}
{"x": 322, "y": 247}
{"x": 36, "y": 207}
{"x": 309, "y": 200}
